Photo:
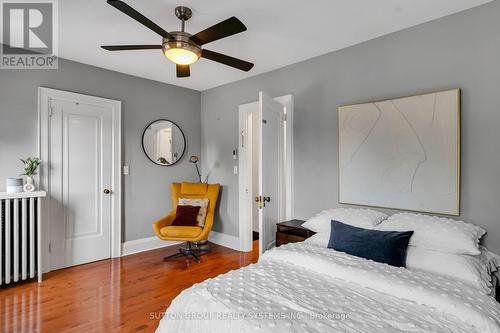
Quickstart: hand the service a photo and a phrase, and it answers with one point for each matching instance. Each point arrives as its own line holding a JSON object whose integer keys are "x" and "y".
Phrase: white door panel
{"x": 81, "y": 162}
{"x": 271, "y": 182}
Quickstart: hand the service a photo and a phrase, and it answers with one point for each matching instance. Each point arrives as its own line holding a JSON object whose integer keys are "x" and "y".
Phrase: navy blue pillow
{"x": 387, "y": 247}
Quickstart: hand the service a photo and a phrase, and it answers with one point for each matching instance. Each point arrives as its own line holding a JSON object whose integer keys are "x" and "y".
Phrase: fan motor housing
{"x": 181, "y": 40}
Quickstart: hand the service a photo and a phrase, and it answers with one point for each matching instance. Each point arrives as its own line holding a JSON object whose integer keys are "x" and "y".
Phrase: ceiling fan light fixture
{"x": 183, "y": 48}
{"x": 181, "y": 52}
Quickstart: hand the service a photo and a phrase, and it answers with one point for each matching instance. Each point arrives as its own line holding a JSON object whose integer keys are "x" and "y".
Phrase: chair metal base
{"x": 187, "y": 251}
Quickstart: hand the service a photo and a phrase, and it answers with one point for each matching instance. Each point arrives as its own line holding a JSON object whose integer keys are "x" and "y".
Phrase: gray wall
{"x": 462, "y": 50}
{"x": 147, "y": 188}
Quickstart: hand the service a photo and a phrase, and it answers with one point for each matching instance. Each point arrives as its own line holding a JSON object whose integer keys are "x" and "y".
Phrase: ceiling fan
{"x": 180, "y": 47}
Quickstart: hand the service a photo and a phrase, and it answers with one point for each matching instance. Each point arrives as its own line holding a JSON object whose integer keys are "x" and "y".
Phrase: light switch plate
{"x": 235, "y": 169}
{"x": 126, "y": 170}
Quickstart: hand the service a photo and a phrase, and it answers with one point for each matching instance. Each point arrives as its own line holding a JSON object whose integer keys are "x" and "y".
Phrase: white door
{"x": 80, "y": 179}
{"x": 271, "y": 180}
{"x": 164, "y": 144}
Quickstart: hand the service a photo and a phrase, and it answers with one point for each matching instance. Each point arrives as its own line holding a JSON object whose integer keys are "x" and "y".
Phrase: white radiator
{"x": 20, "y": 236}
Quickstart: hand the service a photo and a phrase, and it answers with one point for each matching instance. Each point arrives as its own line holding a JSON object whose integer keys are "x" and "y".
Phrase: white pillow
{"x": 320, "y": 239}
{"x": 363, "y": 218}
{"x": 471, "y": 270}
{"x": 437, "y": 233}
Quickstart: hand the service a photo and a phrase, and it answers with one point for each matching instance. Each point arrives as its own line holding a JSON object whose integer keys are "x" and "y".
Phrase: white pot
{"x": 30, "y": 184}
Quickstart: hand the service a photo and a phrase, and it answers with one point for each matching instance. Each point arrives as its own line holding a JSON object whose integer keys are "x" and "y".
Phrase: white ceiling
{"x": 279, "y": 32}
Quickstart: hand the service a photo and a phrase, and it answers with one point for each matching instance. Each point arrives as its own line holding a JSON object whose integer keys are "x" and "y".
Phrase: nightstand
{"x": 291, "y": 232}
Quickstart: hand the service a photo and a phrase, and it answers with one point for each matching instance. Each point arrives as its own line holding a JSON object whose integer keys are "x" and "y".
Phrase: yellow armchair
{"x": 163, "y": 227}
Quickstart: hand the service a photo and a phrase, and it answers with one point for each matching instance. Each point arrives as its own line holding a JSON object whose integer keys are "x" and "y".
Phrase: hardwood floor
{"x": 128, "y": 294}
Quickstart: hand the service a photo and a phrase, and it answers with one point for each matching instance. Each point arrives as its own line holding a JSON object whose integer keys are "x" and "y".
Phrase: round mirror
{"x": 163, "y": 142}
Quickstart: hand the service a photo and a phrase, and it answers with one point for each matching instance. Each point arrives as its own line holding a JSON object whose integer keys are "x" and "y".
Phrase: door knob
{"x": 258, "y": 199}
{"x": 106, "y": 191}
{"x": 262, "y": 201}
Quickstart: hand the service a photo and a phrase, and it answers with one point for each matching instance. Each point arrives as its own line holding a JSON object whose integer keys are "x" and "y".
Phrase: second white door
{"x": 271, "y": 175}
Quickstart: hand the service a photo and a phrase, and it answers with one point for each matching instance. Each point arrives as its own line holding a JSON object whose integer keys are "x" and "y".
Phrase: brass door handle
{"x": 258, "y": 199}
{"x": 106, "y": 191}
{"x": 262, "y": 201}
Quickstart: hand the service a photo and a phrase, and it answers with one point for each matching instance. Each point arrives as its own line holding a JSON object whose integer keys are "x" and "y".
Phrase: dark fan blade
{"x": 227, "y": 60}
{"x": 183, "y": 71}
{"x": 226, "y": 28}
{"x": 127, "y": 10}
{"x": 130, "y": 47}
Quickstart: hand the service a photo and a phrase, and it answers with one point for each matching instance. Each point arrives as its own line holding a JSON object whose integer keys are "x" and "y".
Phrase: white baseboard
{"x": 229, "y": 241}
{"x": 145, "y": 244}
{"x": 152, "y": 243}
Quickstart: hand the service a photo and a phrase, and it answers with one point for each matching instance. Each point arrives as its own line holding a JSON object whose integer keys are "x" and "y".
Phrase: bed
{"x": 302, "y": 287}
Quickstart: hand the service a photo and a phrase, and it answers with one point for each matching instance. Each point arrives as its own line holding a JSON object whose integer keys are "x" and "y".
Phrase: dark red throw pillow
{"x": 185, "y": 216}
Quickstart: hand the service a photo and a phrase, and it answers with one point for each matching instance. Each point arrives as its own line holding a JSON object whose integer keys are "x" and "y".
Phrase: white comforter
{"x": 305, "y": 288}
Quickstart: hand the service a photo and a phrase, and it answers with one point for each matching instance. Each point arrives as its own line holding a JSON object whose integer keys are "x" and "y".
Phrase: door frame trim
{"x": 44, "y": 97}
{"x": 245, "y": 236}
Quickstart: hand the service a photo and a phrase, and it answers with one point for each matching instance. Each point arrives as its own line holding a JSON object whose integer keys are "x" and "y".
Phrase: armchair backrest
{"x": 197, "y": 191}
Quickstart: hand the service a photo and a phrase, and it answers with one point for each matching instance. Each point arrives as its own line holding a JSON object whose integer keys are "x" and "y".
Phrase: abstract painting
{"x": 402, "y": 153}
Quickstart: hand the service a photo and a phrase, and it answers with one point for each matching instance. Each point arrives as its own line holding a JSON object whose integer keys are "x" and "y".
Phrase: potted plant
{"x": 31, "y": 165}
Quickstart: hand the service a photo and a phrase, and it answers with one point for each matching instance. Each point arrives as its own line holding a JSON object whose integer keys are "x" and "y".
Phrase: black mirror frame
{"x": 144, "y": 149}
